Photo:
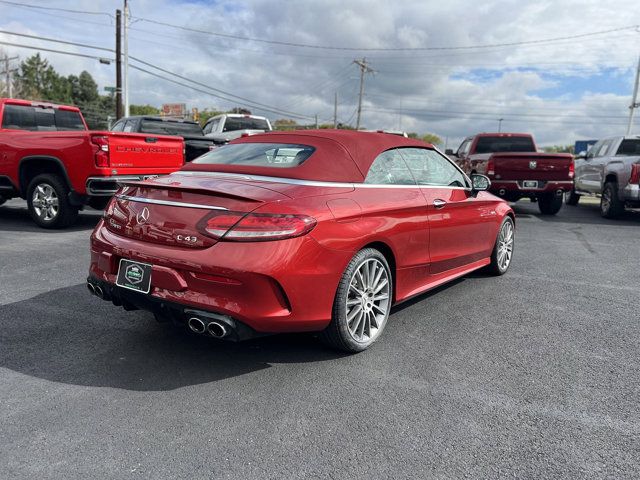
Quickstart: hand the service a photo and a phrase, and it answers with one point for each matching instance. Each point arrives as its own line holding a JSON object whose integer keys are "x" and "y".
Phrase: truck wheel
{"x": 48, "y": 202}
{"x": 549, "y": 203}
{"x": 571, "y": 198}
{"x": 610, "y": 204}
{"x": 362, "y": 303}
{"x": 503, "y": 249}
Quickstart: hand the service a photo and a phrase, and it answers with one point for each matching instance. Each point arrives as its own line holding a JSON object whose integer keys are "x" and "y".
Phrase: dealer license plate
{"x": 134, "y": 276}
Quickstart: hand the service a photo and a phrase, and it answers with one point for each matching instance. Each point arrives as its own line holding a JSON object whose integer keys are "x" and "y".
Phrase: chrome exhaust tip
{"x": 98, "y": 290}
{"x": 91, "y": 288}
{"x": 501, "y": 192}
{"x": 196, "y": 325}
{"x": 216, "y": 329}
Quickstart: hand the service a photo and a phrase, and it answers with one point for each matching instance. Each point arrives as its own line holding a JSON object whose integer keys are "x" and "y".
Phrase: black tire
{"x": 549, "y": 203}
{"x": 572, "y": 198}
{"x": 610, "y": 204}
{"x": 497, "y": 267}
{"x": 338, "y": 334}
{"x": 65, "y": 214}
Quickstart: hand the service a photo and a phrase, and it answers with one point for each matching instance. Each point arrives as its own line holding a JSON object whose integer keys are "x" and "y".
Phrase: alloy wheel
{"x": 45, "y": 202}
{"x": 605, "y": 201}
{"x": 505, "y": 246}
{"x": 368, "y": 301}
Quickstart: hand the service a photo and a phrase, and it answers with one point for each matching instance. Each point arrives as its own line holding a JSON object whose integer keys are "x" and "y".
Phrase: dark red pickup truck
{"x": 517, "y": 170}
{"x": 49, "y": 158}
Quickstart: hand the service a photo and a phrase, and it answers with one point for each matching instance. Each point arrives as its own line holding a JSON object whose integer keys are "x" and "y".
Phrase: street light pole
{"x": 500, "y": 124}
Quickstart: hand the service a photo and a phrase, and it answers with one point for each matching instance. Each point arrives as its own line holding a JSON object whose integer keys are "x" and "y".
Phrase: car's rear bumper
{"x": 279, "y": 286}
{"x": 500, "y": 187}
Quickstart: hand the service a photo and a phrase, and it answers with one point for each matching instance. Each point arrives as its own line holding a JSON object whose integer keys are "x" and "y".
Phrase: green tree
{"x": 37, "y": 80}
{"x": 143, "y": 110}
{"x": 431, "y": 138}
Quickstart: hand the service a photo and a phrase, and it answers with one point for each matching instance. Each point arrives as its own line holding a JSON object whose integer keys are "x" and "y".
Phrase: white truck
{"x": 229, "y": 126}
{"x": 611, "y": 169}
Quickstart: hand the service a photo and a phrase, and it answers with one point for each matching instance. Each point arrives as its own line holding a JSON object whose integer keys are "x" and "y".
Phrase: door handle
{"x": 439, "y": 203}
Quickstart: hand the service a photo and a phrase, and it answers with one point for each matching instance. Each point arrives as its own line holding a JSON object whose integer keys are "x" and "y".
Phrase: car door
{"x": 592, "y": 167}
{"x": 461, "y": 224}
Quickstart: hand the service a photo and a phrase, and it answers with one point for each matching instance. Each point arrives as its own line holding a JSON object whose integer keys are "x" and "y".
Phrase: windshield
{"x": 164, "y": 127}
{"x": 279, "y": 155}
{"x": 505, "y": 144}
{"x": 245, "y": 123}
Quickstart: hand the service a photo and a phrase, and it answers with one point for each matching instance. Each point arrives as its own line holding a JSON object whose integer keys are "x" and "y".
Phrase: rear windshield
{"x": 160, "y": 127}
{"x": 629, "y": 147}
{"x": 37, "y": 119}
{"x": 505, "y": 144}
{"x": 279, "y": 155}
{"x": 244, "y": 123}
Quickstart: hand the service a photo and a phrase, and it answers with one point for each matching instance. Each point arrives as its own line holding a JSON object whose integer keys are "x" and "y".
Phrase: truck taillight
{"x": 100, "y": 145}
{"x": 491, "y": 167}
{"x": 572, "y": 169}
{"x": 254, "y": 227}
{"x": 635, "y": 173}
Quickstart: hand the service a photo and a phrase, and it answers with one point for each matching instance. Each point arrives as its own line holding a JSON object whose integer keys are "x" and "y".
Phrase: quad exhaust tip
{"x": 216, "y": 329}
{"x": 91, "y": 288}
{"x": 196, "y": 325}
{"x": 99, "y": 292}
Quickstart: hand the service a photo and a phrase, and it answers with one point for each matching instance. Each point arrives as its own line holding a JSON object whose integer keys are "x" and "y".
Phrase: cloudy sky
{"x": 562, "y": 70}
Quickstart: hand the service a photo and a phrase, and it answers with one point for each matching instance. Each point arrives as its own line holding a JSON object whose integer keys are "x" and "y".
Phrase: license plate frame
{"x": 134, "y": 275}
{"x": 530, "y": 184}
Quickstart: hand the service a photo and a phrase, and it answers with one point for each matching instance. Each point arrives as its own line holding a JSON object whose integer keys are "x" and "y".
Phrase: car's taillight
{"x": 100, "y": 145}
{"x": 572, "y": 169}
{"x": 635, "y": 173}
{"x": 252, "y": 227}
{"x": 491, "y": 167}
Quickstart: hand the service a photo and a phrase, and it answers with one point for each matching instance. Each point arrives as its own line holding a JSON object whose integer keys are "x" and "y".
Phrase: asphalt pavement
{"x": 535, "y": 374}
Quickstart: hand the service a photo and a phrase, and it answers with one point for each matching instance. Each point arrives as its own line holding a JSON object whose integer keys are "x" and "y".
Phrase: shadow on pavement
{"x": 14, "y": 216}
{"x": 68, "y": 336}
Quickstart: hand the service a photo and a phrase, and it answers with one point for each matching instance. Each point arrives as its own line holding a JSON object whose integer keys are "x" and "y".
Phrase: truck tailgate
{"x": 532, "y": 166}
{"x": 143, "y": 151}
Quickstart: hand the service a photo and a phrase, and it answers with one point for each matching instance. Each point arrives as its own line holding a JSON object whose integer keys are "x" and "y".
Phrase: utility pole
{"x": 7, "y": 72}
{"x": 335, "y": 110}
{"x": 500, "y": 124}
{"x": 634, "y": 100}
{"x": 364, "y": 68}
{"x": 118, "y": 64}
{"x": 126, "y": 58}
{"x": 316, "y": 121}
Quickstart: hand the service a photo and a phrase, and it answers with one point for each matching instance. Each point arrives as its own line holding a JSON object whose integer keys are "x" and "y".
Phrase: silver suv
{"x": 611, "y": 169}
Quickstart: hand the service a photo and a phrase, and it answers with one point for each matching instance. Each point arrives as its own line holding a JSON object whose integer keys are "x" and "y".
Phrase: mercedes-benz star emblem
{"x": 143, "y": 216}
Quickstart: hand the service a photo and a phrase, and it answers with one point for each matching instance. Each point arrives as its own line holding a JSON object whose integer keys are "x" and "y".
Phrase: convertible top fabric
{"x": 340, "y": 156}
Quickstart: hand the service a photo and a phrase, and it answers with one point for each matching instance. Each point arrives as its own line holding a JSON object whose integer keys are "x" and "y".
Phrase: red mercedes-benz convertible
{"x": 304, "y": 231}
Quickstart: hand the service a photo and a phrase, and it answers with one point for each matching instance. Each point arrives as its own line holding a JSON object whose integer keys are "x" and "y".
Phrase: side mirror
{"x": 448, "y": 151}
{"x": 582, "y": 155}
{"x": 480, "y": 183}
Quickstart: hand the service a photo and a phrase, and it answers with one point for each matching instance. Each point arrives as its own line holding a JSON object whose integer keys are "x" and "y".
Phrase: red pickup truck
{"x": 517, "y": 170}
{"x": 49, "y": 158}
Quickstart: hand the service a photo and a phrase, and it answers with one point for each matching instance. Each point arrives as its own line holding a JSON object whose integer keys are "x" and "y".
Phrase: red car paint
{"x": 90, "y": 162}
{"x": 289, "y": 285}
{"x": 508, "y": 170}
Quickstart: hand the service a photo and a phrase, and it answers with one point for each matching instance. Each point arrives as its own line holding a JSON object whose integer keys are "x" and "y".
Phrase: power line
{"x": 387, "y": 49}
{"x": 57, "y": 9}
{"x": 18, "y": 45}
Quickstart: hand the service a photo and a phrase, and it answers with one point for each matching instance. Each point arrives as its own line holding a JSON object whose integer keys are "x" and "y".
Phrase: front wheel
{"x": 362, "y": 303}
{"x": 571, "y": 198}
{"x": 549, "y": 203}
{"x": 503, "y": 248}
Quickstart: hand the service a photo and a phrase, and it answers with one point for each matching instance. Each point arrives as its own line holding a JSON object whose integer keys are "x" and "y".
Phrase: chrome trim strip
{"x": 306, "y": 183}
{"x": 168, "y": 202}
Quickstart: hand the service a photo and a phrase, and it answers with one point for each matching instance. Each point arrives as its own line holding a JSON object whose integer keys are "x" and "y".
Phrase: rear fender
{"x": 31, "y": 166}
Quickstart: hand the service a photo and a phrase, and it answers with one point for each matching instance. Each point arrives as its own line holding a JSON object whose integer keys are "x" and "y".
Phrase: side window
{"x": 464, "y": 147}
{"x": 129, "y": 126}
{"x": 389, "y": 168}
{"x": 213, "y": 126}
{"x": 594, "y": 149}
{"x": 19, "y": 117}
{"x": 207, "y": 128}
{"x": 602, "y": 151}
{"x": 430, "y": 168}
{"x": 118, "y": 126}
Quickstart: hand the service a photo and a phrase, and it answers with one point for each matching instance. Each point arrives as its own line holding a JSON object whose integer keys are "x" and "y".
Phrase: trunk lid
{"x": 532, "y": 166}
{"x": 168, "y": 210}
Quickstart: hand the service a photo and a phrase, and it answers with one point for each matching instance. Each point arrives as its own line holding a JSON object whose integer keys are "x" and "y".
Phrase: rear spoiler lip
{"x": 202, "y": 191}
